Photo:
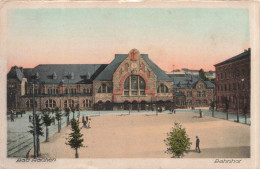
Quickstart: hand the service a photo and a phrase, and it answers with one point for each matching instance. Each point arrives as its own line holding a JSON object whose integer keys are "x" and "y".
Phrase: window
{"x": 204, "y": 94}
{"x": 126, "y": 67}
{"x": 189, "y": 102}
{"x": 205, "y": 102}
{"x": 189, "y": 93}
{"x": 86, "y": 103}
{"x": 84, "y": 91}
{"x": 104, "y": 89}
{"x": 134, "y": 85}
{"x": 69, "y": 103}
{"x": 198, "y": 102}
{"x": 29, "y": 103}
{"x": 148, "y": 73}
{"x": 133, "y": 55}
{"x": 162, "y": 89}
{"x": 50, "y": 103}
{"x": 142, "y": 67}
{"x": 198, "y": 93}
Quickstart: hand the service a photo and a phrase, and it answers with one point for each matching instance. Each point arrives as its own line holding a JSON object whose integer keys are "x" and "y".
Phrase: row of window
{"x": 232, "y": 99}
{"x": 56, "y": 91}
{"x": 230, "y": 74}
{"x": 199, "y": 93}
{"x": 52, "y": 103}
{"x": 162, "y": 89}
{"x": 189, "y": 102}
{"x": 230, "y": 87}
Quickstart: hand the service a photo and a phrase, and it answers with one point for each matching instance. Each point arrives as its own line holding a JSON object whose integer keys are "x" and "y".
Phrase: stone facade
{"x": 199, "y": 95}
{"x": 233, "y": 84}
{"x": 131, "y": 81}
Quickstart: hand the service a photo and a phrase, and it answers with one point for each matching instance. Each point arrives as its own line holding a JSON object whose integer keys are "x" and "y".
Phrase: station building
{"x": 131, "y": 81}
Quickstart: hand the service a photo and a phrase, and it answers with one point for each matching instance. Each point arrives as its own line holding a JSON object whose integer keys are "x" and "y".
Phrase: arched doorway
{"x": 160, "y": 105}
{"x": 134, "y": 105}
{"x": 108, "y": 105}
{"x": 168, "y": 105}
{"x": 99, "y": 105}
{"x": 126, "y": 105}
{"x": 143, "y": 105}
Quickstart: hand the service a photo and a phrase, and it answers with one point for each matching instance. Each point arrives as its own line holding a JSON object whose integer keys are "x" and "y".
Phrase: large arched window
{"x": 69, "y": 103}
{"x": 50, "y": 103}
{"x": 29, "y": 103}
{"x": 134, "y": 85}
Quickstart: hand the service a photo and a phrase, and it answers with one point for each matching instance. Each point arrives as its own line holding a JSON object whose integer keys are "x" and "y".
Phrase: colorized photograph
{"x": 128, "y": 83}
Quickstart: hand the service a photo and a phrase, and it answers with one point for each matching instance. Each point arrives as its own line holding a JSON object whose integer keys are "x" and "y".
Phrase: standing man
{"x": 12, "y": 115}
{"x": 197, "y": 144}
{"x": 200, "y": 113}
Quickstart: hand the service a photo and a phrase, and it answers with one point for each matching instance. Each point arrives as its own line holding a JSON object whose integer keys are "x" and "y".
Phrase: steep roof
{"x": 55, "y": 73}
{"x": 245, "y": 54}
{"x": 189, "y": 81}
{"x": 16, "y": 73}
{"x": 107, "y": 74}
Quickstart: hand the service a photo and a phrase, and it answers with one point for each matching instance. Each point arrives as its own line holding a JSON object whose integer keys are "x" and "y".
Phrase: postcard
{"x": 124, "y": 84}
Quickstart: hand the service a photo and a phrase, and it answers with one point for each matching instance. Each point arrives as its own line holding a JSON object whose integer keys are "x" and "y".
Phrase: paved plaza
{"x": 141, "y": 135}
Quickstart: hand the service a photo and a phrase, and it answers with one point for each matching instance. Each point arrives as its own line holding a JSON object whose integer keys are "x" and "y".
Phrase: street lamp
{"x": 238, "y": 104}
{"x": 34, "y": 78}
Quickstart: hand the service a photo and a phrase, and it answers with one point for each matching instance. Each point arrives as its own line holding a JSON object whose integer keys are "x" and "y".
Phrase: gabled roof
{"x": 189, "y": 81}
{"x": 55, "y": 73}
{"x": 245, "y": 54}
{"x": 107, "y": 73}
{"x": 15, "y": 73}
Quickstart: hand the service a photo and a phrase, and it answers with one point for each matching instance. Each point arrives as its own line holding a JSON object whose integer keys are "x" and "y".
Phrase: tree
{"x": 226, "y": 106}
{"x": 75, "y": 140}
{"x": 47, "y": 121}
{"x": 67, "y": 114}
{"x": 73, "y": 109}
{"x": 58, "y": 116}
{"x": 212, "y": 106}
{"x": 177, "y": 141}
{"x": 202, "y": 74}
{"x": 39, "y": 131}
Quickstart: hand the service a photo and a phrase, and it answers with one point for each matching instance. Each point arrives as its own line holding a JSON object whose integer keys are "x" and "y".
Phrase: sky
{"x": 191, "y": 38}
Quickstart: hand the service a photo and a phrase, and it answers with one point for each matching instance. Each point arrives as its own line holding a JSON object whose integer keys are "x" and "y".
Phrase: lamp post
{"x": 238, "y": 104}
{"x": 34, "y": 78}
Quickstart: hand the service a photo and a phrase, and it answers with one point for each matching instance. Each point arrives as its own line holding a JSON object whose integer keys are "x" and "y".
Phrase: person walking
{"x": 197, "y": 144}
{"x": 87, "y": 119}
{"x": 30, "y": 118}
{"x": 83, "y": 119}
{"x": 89, "y": 123}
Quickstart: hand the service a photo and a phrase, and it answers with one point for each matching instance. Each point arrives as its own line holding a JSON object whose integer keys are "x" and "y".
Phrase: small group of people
{"x": 86, "y": 121}
{"x": 14, "y": 114}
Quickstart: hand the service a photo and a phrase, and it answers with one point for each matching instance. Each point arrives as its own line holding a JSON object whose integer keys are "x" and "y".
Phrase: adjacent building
{"x": 130, "y": 81}
{"x": 192, "y": 91}
{"x": 233, "y": 83}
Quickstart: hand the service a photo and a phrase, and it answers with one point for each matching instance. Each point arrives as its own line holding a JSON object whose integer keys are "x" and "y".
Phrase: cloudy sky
{"x": 185, "y": 37}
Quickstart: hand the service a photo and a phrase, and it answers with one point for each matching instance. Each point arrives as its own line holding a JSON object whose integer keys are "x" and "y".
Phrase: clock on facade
{"x": 134, "y": 65}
